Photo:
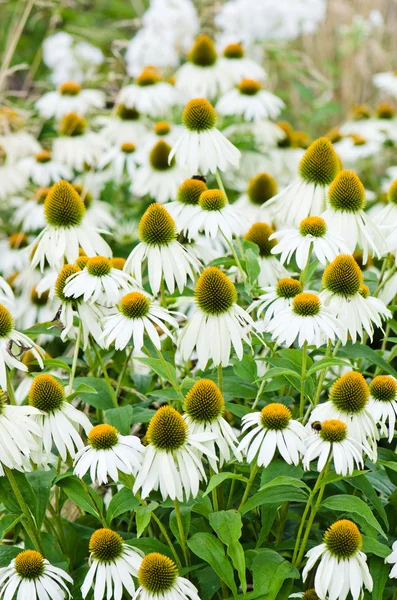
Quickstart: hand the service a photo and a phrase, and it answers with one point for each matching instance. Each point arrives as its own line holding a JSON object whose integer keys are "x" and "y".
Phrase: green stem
{"x": 170, "y": 377}
{"x": 29, "y": 523}
{"x": 214, "y": 493}
{"x": 220, "y": 182}
{"x": 281, "y": 525}
{"x": 235, "y": 256}
{"x": 123, "y": 370}
{"x": 250, "y": 482}
{"x": 167, "y": 539}
{"x": 181, "y": 532}
{"x": 75, "y": 357}
{"x": 322, "y": 377}
{"x": 163, "y": 301}
{"x": 10, "y": 388}
{"x": 258, "y": 395}
{"x": 384, "y": 281}
{"x": 105, "y": 373}
{"x": 220, "y": 377}
{"x": 303, "y": 381}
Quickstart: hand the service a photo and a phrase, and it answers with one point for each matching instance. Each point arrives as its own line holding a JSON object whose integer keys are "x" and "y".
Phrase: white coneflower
{"x": 58, "y": 420}
{"x": 253, "y": 204}
{"x": 14, "y": 257}
{"x": 69, "y": 97}
{"x": 126, "y": 124}
{"x": 250, "y": 102}
{"x": 343, "y": 567}
{"x": 164, "y": 255}
{"x": 148, "y": 94}
{"x": 332, "y": 440}
{"x": 13, "y": 178}
{"x": 387, "y": 218}
{"x": 345, "y": 216}
{"x": 274, "y": 429}
{"x": 30, "y": 214}
{"x": 310, "y": 594}
{"x": 6, "y": 294}
{"x": 214, "y": 217}
{"x": 349, "y": 402}
{"x": 312, "y": 235}
{"x": 43, "y": 170}
{"x": 120, "y": 161}
{"x": 307, "y": 195}
{"x": 113, "y": 564}
{"x": 98, "y": 282}
{"x": 76, "y": 146}
{"x": 172, "y": 462}
{"x": 187, "y": 198}
{"x": 308, "y": 321}
{"x": 89, "y": 315}
{"x": 203, "y": 74}
{"x": 107, "y": 454}
{"x": 218, "y": 324}
{"x": 348, "y": 297}
{"x": 204, "y": 408}
{"x": 34, "y": 308}
{"x": 136, "y": 315}
{"x": 66, "y": 230}
{"x": 202, "y": 147}
{"x": 98, "y": 213}
{"x": 158, "y": 577}
{"x": 157, "y": 176}
{"x": 392, "y": 560}
{"x": 239, "y": 66}
{"x": 387, "y": 82}
{"x": 383, "y": 403}
{"x": 275, "y": 299}
{"x": 12, "y": 341}
{"x": 161, "y": 130}
{"x": 30, "y": 576}
{"x": 272, "y": 270}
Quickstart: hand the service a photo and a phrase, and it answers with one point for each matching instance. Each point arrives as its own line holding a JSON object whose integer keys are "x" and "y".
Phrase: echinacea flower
{"x": 59, "y": 421}
{"x": 43, "y": 170}
{"x": 14, "y": 257}
{"x": 386, "y": 218}
{"x": 69, "y": 97}
{"x": 108, "y": 453}
{"x": 113, "y": 564}
{"x": 120, "y": 161}
{"x": 12, "y": 341}
{"x": 240, "y": 66}
{"x": 346, "y": 218}
{"x": 30, "y": 576}
{"x": 148, "y": 94}
{"x": 218, "y": 323}
{"x": 387, "y": 82}
{"x": 13, "y": 178}
{"x": 29, "y": 215}
{"x": 204, "y": 408}
{"x": 250, "y": 102}
{"x": 202, "y": 147}
{"x": 392, "y": 560}
{"x": 271, "y": 269}
{"x": 332, "y": 440}
{"x": 66, "y": 230}
{"x": 383, "y": 403}
{"x": 343, "y": 566}
{"x": 312, "y": 235}
{"x": 159, "y": 249}
{"x": 306, "y": 320}
{"x": 274, "y": 429}
{"x": 134, "y": 316}
{"x": 253, "y": 204}
{"x": 349, "y": 402}
{"x": 76, "y": 146}
{"x": 187, "y": 198}
{"x": 346, "y": 295}
{"x": 125, "y": 125}
{"x": 158, "y": 577}
{"x": 307, "y": 195}
{"x": 310, "y": 594}
{"x": 172, "y": 461}
{"x": 275, "y": 299}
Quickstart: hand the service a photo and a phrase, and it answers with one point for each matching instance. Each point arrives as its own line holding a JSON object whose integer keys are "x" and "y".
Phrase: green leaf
{"x": 83, "y": 388}
{"x": 269, "y": 571}
{"x": 325, "y": 363}
{"x": 148, "y": 545}
{"x": 8, "y": 553}
{"x": 278, "y": 468}
{"x": 157, "y": 366}
{"x": 122, "y": 502}
{"x": 364, "y": 485}
{"x": 120, "y": 418}
{"x": 334, "y": 477}
{"x": 143, "y": 514}
{"x": 246, "y": 368}
{"x": 74, "y": 489}
{"x": 8, "y": 522}
{"x": 380, "y": 574}
{"x": 102, "y": 398}
{"x": 360, "y": 351}
{"x": 285, "y": 480}
{"x": 253, "y": 267}
{"x": 275, "y": 495}
{"x": 372, "y": 546}
{"x": 185, "y": 518}
{"x": 356, "y": 506}
{"x": 56, "y": 363}
{"x": 41, "y": 482}
{"x": 209, "y": 548}
{"x": 7, "y": 496}
{"x": 219, "y": 478}
{"x": 228, "y": 525}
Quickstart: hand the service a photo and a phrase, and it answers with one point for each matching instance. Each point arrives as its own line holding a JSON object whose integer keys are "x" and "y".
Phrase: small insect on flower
{"x": 158, "y": 577}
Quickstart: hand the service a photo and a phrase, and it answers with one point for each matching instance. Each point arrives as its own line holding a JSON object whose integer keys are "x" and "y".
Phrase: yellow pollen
{"x": 275, "y": 416}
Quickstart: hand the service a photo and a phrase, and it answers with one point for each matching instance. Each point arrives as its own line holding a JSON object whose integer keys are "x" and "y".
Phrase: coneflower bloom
{"x": 69, "y": 97}
{"x": 274, "y": 429}
{"x": 172, "y": 461}
{"x": 307, "y": 195}
{"x": 76, "y": 146}
{"x": 343, "y": 566}
{"x": 392, "y": 560}
{"x": 345, "y": 293}
{"x": 250, "y": 102}
{"x": 187, "y": 198}
{"x": 239, "y": 66}
{"x": 59, "y": 421}
{"x": 120, "y": 161}
{"x": 134, "y": 316}
{"x": 30, "y": 576}
{"x": 148, "y": 94}
{"x": 30, "y": 214}
{"x": 159, "y": 249}
{"x": 66, "y": 230}
{"x": 158, "y": 577}
{"x": 387, "y": 82}
{"x": 272, "y": 270}
{"x": 275, "y": 299}
{"x": 125, "y": 125}
{"x": 312, "y": 235}
{"x": 349, "y": 402}
{"x": 383, "y": 403}
{"x": 204, "y": 408}
{"x": 253, "y": 204}
{"x": 107, "y": 454}
{"x": 218, "y": 324}
{"x": 43, "y": 170}
{"x": 310, "y": 594}
{"x": 113, "y": 564}
{"x": 202, "y": 147}
{"x": 14, "y": 257}
{"x": 386, "y": 219}
{"x": 346, "y": 218}
{"x": 332, "y": 440}
{"x": 13, "y": 179}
